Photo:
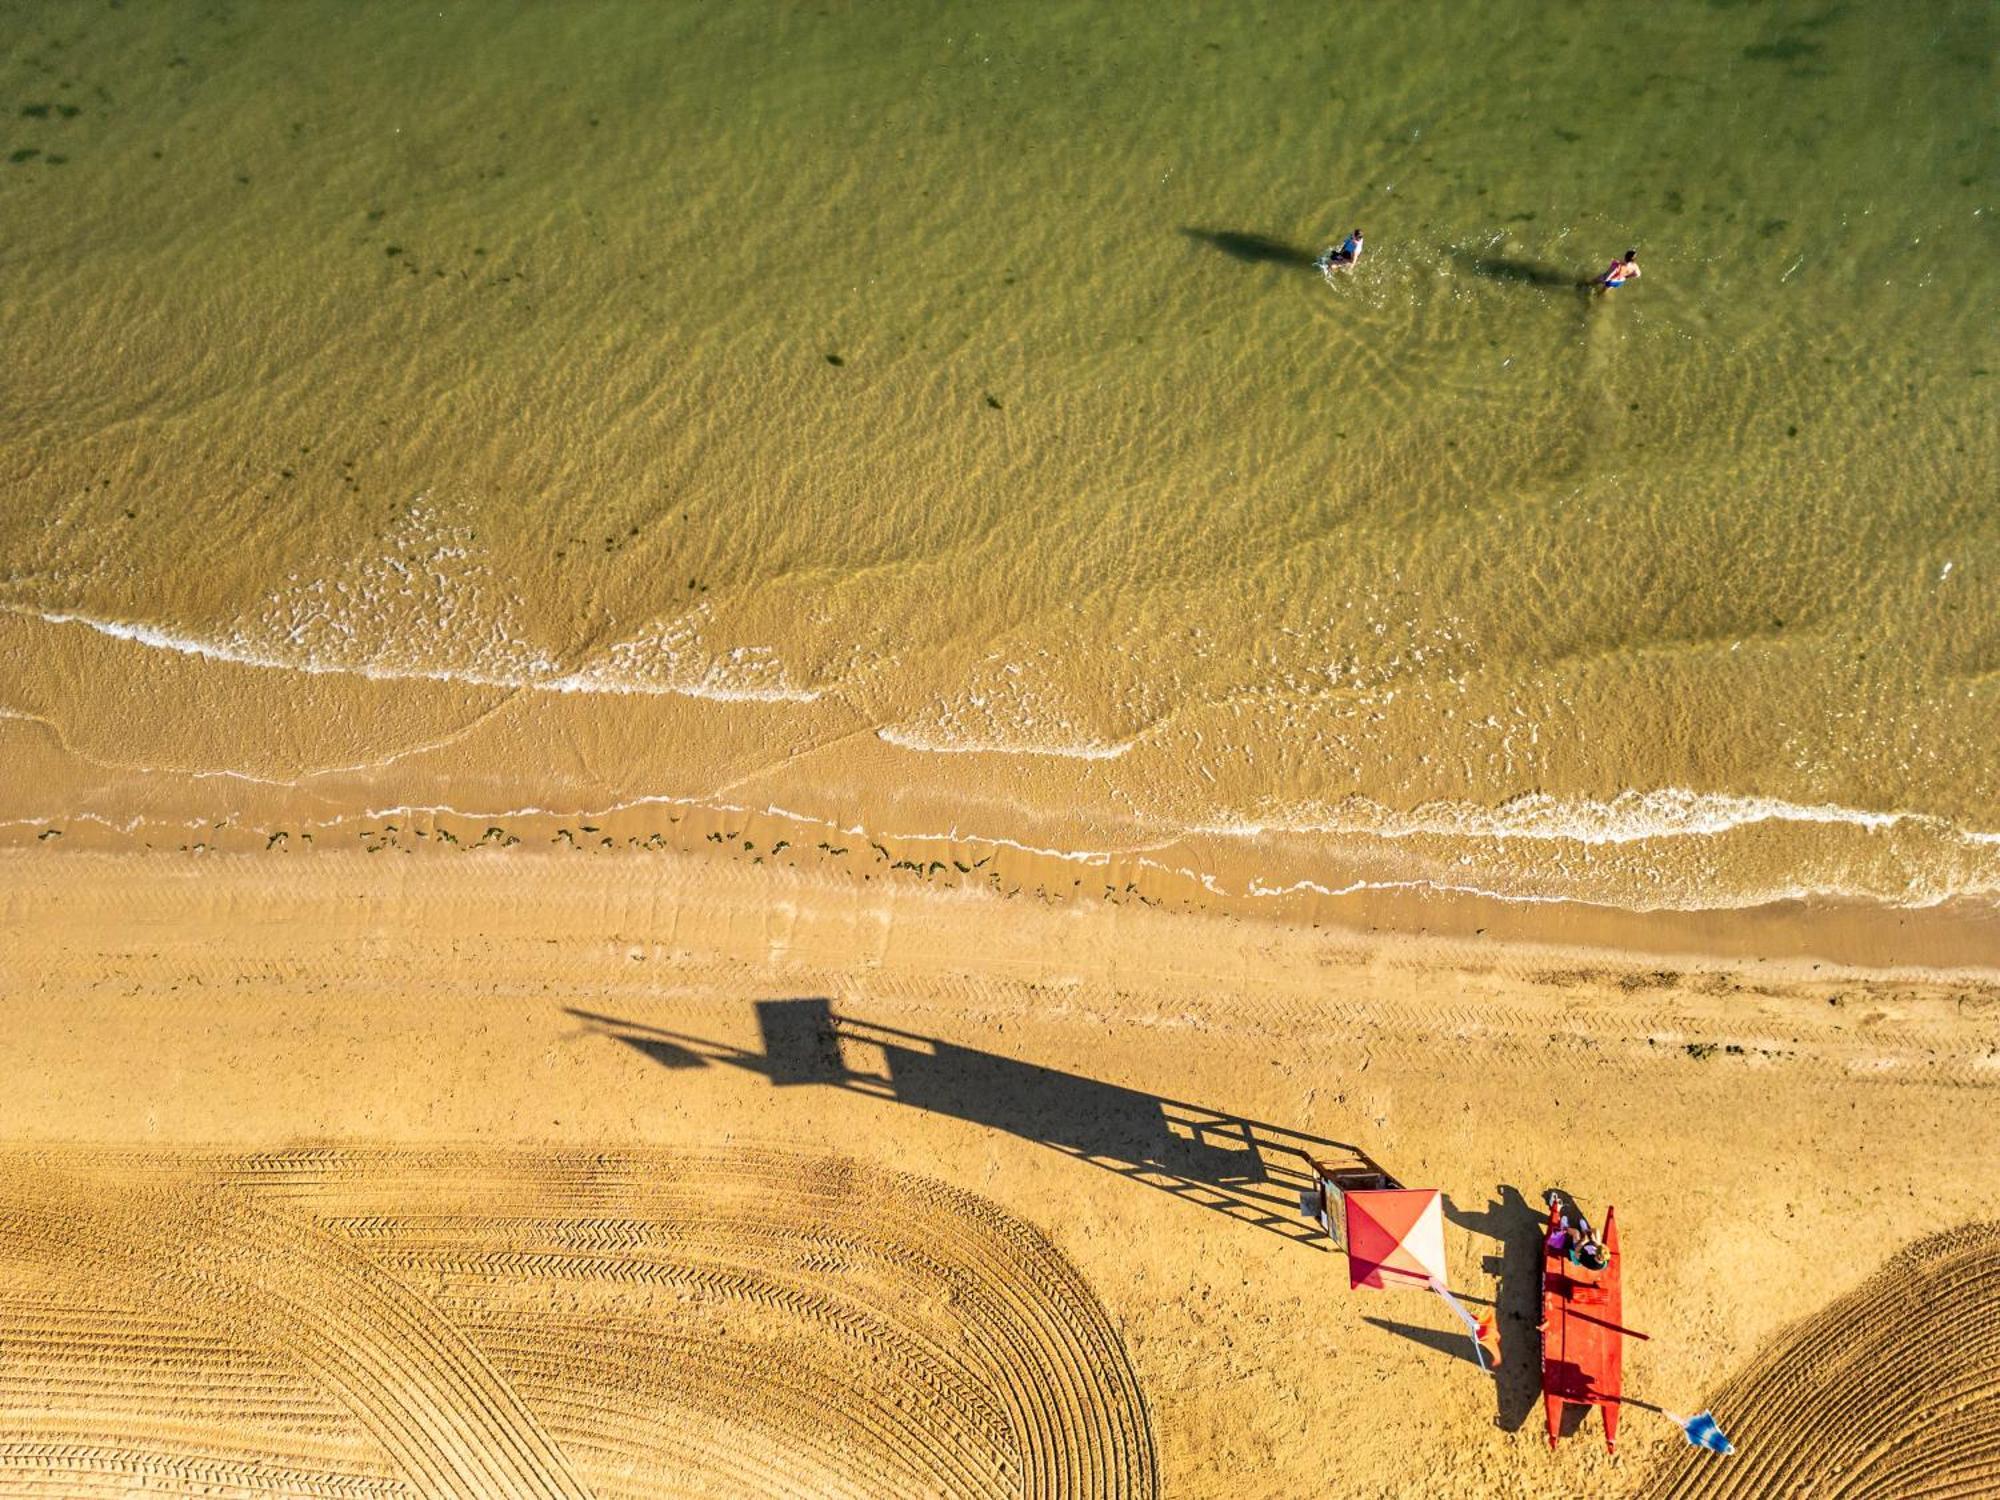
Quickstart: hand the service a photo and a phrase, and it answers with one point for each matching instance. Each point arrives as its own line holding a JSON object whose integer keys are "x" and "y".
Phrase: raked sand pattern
{"x": 351, "y": 1323}
{"x": 1894, "y": 1390}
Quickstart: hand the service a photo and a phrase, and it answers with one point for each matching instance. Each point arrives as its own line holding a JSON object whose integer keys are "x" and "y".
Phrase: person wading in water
{"x": 1343, "y": 259}
{"x": 1622, "y": 270}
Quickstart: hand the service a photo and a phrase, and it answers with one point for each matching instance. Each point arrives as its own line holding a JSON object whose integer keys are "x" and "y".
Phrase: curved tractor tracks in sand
{"x": 554, "y": 1324}
{"x": 1892, "y": 1390}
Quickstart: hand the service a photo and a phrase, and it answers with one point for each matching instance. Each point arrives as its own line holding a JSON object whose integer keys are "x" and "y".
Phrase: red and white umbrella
{"x": 1395, "y": 1237}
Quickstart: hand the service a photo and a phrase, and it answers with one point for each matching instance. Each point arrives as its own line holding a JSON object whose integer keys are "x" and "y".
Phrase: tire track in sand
{"x": 1038, "y": 1338}
{"x": 81, "y": 1468}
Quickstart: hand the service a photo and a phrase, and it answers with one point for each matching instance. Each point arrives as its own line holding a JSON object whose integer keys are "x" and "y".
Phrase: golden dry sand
{"x": 658, "y": 1175}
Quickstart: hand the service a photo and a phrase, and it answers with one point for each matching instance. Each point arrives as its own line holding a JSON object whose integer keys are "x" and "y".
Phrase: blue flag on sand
{"x": 1703, "y": 1433}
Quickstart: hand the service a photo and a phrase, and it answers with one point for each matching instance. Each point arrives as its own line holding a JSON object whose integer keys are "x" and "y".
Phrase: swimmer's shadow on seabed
{"x": 1263, "y": 250}
{"x": 1253, "y": 249}
{"x": 1246, "y": 1170}
{"x": 1511, "y": 268}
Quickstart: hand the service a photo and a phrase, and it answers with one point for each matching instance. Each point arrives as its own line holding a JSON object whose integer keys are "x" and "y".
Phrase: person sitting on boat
{"x": 1591, "y": 1256}
{"x": 1573, "y": 1242}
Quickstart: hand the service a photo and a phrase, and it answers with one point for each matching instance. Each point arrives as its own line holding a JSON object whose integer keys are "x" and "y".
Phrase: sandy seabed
{"x": 550, "y": 1174}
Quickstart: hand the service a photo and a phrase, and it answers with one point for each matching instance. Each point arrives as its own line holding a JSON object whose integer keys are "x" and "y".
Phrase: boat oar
{"x": 1584, "y": 1317}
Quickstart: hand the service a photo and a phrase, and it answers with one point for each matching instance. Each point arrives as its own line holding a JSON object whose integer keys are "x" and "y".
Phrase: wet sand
{"x": 1220, "y": 876}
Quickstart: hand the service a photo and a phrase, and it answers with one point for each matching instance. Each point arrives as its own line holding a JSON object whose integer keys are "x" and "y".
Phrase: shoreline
{"x": 1952, "y": 940}
{"x": 1881, "y": 879}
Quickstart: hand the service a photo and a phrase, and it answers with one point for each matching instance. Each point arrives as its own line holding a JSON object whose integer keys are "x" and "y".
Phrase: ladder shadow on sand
{"x": 1247, "y": 1170}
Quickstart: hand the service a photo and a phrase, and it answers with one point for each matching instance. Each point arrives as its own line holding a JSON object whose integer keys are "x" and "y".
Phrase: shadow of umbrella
{"x": 1451, "y": 1343}
{"x": 667, "y": 1054}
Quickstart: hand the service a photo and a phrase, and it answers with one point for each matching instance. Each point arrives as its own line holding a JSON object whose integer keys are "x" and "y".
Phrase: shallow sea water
{"x": 927, "y": 419}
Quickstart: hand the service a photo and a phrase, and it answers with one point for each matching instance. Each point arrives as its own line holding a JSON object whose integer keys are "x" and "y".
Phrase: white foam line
{"x": 1070, "y": 856}
{"x": 148, "y": 635}
{"x": 904, "y": 739}
{"x": 225, "y": 773}
{"x": 573, "y": 682}
{"x": 586, "y": 682}
{"x": 1742, "y": 901}
{"x": 775, "y": 811}
{"x": 1258, "y": 888}
{"x": 1630, "y": 817}
{"x": 445, "y": 810}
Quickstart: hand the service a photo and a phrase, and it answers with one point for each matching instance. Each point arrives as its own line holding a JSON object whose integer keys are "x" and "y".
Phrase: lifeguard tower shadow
{"x": 1247, "y": 1170}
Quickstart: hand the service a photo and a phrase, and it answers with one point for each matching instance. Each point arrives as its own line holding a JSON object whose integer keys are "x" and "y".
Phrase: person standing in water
{"x": 1345, "y": 258}
{"x": 1622, "y": 270}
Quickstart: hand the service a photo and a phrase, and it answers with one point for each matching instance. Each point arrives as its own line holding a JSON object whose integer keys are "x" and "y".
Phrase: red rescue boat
{"x": 1583, "y": 1332}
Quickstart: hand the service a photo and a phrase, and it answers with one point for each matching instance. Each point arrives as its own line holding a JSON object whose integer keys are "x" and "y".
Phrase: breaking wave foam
{"x": 1630, "y": 817}
{"x": 904, "y": 739}
{"x": 535, "y": 674}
